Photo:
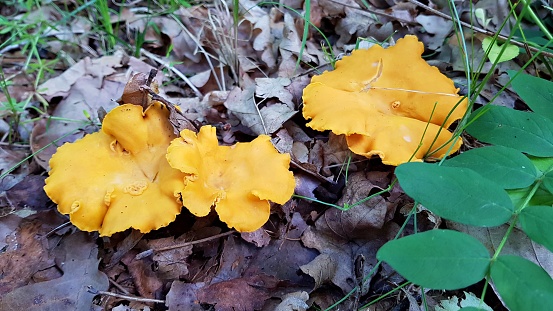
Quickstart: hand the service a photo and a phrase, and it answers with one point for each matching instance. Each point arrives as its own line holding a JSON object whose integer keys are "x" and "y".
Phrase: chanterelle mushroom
{"x": 383, "y": 100}
{"x": 238, "y": 180}
{"x": 119, "y": 178}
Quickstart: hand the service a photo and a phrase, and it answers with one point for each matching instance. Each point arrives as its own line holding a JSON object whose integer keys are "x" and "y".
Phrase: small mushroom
{"x": 239, "y": 180}
{"x": 383, "y": 100}
{"x": 119, "y": 178}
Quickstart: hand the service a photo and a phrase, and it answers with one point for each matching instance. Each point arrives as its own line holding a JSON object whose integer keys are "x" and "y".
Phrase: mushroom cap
{"x": 383, "y": 100}
{"x": 118, "y": 178}
{"x": 238, "y": 180}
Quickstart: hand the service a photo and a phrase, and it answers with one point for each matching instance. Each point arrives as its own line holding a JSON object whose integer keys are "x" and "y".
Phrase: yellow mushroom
{"x": 239, "y": 180}
{"x": 118, "y": 178}
{"x": 383, "y": 100}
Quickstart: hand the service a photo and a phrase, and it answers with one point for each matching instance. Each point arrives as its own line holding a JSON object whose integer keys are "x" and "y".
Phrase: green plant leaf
{"x": 494, "y": 50}
{"x": 524, "y": 131}
{"x": 522, "y": 284}
{"x": 548, "y": 182}
{"x": 541, "y": 197}
{"x": 537, "y": 221}
{"x": 536, "y": 92}
{"x": 455, "y": 193}
{"x": 505, "y": 166}
{"x": 542, "y": 164}
{"x": 437, "y": 259}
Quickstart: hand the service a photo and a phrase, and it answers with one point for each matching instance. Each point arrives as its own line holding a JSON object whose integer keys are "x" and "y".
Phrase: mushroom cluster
{"x": 135, "y": 173}
{"x": 388, "y": 102}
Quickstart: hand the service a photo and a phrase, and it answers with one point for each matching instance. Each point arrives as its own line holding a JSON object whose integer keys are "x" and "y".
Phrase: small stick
{"x": 65, "y": 224}
{"x": 119, "y": 287}
{"x": 94, "y": 291}
{"x": 173, "y": 69}
{"x": 161, "y": 249}
{"x": 182, "y": 122}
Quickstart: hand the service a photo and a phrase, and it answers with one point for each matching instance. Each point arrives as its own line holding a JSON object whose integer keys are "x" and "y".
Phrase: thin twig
{"x": 65, "y": 224}
{"x": 14, "y": 145}
{"x": 94, "y": 291}
{"x": 119, "y": 287}
{"x": 481, "y": 30}
{"x": 375, "y": 12}
{"x": 174, "y": 70}
{"x": 161, "y": 249}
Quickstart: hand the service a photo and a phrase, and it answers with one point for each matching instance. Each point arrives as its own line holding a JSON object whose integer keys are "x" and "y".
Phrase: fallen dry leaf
{"x": 69, "y": 292}
{"x": 19, "y": 198}
{"x": 182, "y": 297}
{"x": 146, "y": 281}
{"x": 274, "y": 87}
{"x": 354, "y": 24}
{"x": 294, "y": 302}
{"x": 25, "y": 254}
{"x": 367, "y": 217}
{"x": 337, "y": 256}
{"x": 170, "y": 264}
{"x": 8, "y": 161}
{"x": 436, "y": 30}
{"x": 247, "y": 294}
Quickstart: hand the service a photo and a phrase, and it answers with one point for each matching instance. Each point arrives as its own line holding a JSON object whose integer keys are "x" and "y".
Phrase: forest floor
{"x": 242, "y": 70}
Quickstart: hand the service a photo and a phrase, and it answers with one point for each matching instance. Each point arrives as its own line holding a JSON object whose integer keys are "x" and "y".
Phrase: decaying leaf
{"x": 335, "y": 264}
{"x": 71, "y": 291}
{"x": 248, "y": 293}
{"x": 294, "y": 302}
{"x": 19, "y": 198}
{"x": 146, "y": 281}
{"x": 274, "y": 87}
{"x": 25, "y": 254}
{"x": 370, "y": 215}
{"x": 171, "y": 264}
{"x": 182, "y": 297}
{"x": 133, "y": 93}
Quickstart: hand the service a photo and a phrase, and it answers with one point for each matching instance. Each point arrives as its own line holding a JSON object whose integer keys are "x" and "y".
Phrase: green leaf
{"x": 522, "y": 284}
{"x": 537, "y": 222}
{"x": 437, "y": 259}
{"x": 524, "y": 131}
{"x": 541, "y": 197}
{"x": 457, "y": 194}
{"x": 536, "y": 92}
{"x": 495, "y": 53}
{"x": 542, "y": 164}
{"x": 548, "y": 182}
{"x": 471, "y": 309}
{"x": 505, "y": 166}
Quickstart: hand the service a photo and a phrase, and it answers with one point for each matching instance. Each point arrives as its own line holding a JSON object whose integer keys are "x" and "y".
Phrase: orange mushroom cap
{"x": 238, "y": 180}
{"x": 118, "y": 178}
{"x": 383, "y": 100}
